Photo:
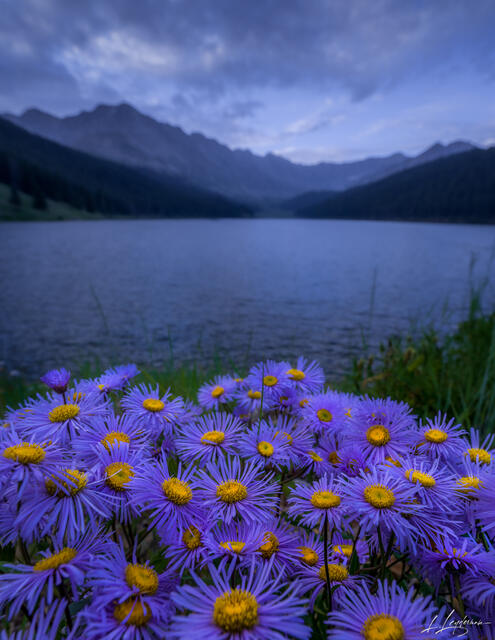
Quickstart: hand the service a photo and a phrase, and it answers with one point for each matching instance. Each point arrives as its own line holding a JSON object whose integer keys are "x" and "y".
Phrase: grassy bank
{"x": 454, "y": 374}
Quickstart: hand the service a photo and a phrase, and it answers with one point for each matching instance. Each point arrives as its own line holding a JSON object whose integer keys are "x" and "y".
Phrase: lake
{"x": 121, "y": 291}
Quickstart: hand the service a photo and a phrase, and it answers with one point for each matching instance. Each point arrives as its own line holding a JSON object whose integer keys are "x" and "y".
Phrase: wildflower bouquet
{"x": 274, "y": 508}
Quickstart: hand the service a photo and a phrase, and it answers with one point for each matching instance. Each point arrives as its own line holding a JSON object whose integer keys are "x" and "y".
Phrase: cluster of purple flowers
{"x": 274, "y": 508}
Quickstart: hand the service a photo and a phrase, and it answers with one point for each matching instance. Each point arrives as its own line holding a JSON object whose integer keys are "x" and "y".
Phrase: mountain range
{"x": 124, "y": 135}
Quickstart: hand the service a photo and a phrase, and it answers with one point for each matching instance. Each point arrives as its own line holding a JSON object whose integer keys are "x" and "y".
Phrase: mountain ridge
{"x": 123, "y": 134}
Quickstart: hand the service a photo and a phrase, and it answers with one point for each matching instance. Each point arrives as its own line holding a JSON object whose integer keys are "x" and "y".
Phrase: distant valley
{"x": 116, "y": 161}
{"x": 123, "y": 134}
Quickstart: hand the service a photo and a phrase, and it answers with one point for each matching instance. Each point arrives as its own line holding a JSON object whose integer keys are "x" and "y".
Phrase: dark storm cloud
{"x": 216, "y": 46}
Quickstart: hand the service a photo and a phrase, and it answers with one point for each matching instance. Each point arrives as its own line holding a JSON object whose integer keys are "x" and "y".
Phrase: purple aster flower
{"x": 44, "y": 623}
{"x": 237, "y": 542}
{"x": 313, "y": 578}
{"x": 26, "y": 584}
{"x": 156, "y": 414}
{"x": 48, "y": 419}
{"x": 229, "y": 490}
{"x": 439, "y": 438}
{"x": 63, "y": 508}
{"x": 212, "y": 436}
{"x": 105, "y": 434}
{"x": 312, "y": 503}
{"x": 380, "y": 499}
{"x": 266, "y": 446}
{"x": 315, "y": 461}
{"x": 115, "y": 580}
{"x": 217, "y": 392}
{"x": 484, "y": 507}
{"x": 299, "y": 437}
{"x": 459, "y": 556}
{"x": 258, "y": 609}
{"x": 189, "y": 551}
{"x": 351, "y": 461}
{"x": 479, "y": 589}
{"x": 27, "y": 462}
{"x": 280, "y": 546}
{"x": 270, "y": 377}
{"x": 480, "y": 450}
{"x": 342, "y": 547}
{"x": 310, "y": 550}
{"x": 435, "y": 487}
{"x": 306, "y": 376}
{"x": 382, "y": 429}
{"x": 285, "y": 401}
{"x": 173, "y": 499}
{"x": 325, "y": 413}
{"x": 57, "y": 380}
{"x": 120, "y": 467}
{"x": 117, "y": 378}
{"x": 389, "y": 614}
{"x": 249, "y": 401}
{"x": 129, "y": 620}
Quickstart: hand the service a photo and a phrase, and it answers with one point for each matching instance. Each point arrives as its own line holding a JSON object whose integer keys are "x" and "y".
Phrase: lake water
{"x": 131, "y": 290}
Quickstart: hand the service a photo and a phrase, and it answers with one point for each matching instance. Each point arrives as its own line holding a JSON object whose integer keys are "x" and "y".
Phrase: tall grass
{"x": 454, "y": 374}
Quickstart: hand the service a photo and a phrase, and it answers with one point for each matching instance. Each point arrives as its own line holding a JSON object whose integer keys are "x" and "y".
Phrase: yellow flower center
{"x": 25, "y": 453}
{"x": 468, "y": 485}
{"x": 270, "y": 545}
{"x": 231, "y": 491}
{"x": 265, "y": 448}
{"x": 324, "y": 415}
{"x": 348, "y": 413}
{"x": 77, "y": 480}
{"x": 336, "y": 572}
{"x": 378, "y": 435}
{"x": 56, "y": 560}
{"x": 153, "y": 404}
{"x": 396, "y": 463}
{"x": 424, "y": 479}
{"x": 383, "y": 626}
{"x": 213, "y": 437}
{"x": 177, "y": 491}
{"x": 139, "y": 616}
{"x": 114, "y": 437}
{"x": 191, "y": 538}
{"x": 234, "y": 545}
{"x": 238, "y": 379}
{"x": 479, "y": 454}
{"x": 270, "y": 381}
{"x": 119, "y": 474}
{"x": 308, "y": 556}
{"x": 254, "y": 395}
{"x": 63, "y": 412}
{"x": 314, "y": 456}
{"x": 325, "y": 500}
{"x": 217, "y": 391}
{"x": 296, "y": 374}
{"x": 378, "y": 496}
{"x": 235, "y": 611}
{"x": 344, "y": 549}
{"x": 435, "y": 435}
{"x": 143, "y": 577}
{"x": 303, "y": 402}
{"x": 286, "y": 435}
{"x": 333, "y": 457}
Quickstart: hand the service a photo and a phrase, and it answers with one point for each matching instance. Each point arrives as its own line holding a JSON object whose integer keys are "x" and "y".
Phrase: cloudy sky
{"x": 309, "y": 79}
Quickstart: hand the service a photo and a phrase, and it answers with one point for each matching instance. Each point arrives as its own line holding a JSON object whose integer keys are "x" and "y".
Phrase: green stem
{"x": 325, "y": 556}
{"x": 457, "y": 584}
